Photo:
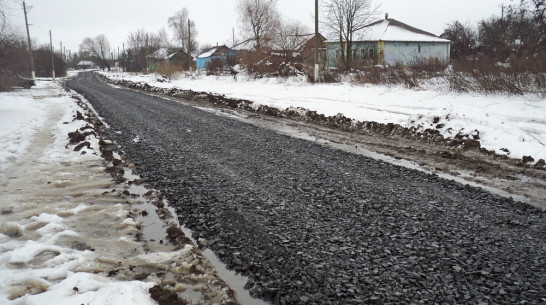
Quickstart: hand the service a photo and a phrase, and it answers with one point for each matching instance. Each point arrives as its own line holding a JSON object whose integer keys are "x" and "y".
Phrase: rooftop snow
{"x": 208, "y": 54}
{"x": 85, "y": 63}
{"x": 393, "y": 30}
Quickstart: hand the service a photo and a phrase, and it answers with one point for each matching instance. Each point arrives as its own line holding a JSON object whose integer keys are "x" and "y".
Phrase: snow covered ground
{"x": 508, "y": 124}
{"x": 41, "y": 261}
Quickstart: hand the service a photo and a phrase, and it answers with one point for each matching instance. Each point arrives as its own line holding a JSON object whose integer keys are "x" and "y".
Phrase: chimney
{"x": 387, "y": 16}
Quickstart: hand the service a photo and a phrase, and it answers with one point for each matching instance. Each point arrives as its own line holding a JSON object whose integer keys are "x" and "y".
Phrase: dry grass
{"x": 169, "y": 70}
{"x": 482, "y": 74}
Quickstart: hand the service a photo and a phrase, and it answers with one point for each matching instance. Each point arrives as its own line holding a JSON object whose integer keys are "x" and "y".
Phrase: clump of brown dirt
{"x": 164, "y": 296}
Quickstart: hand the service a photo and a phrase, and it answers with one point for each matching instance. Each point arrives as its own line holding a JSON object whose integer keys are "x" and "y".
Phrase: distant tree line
{"x": 14, "y": 55}
{"x": 518, "y": 35}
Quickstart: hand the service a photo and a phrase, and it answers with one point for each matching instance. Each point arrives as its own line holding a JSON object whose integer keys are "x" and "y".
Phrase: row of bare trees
{"x": 260, "y": 22}
{"x": 512, "y": 42}
{"x": 343, "y": 19}
{"x": 14, "y": 56}
{"x": 520, "y": 31}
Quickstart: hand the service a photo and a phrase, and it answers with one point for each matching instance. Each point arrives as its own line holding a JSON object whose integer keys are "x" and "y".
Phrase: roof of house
{"x": 85, "y": 63}
{"x": 394, "y": 30}
{"x": 213, "y": 51}
{"x": 166, "y": 53}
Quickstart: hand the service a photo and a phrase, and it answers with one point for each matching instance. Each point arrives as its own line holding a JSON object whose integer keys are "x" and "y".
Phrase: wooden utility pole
{"x": 29, "y": 45}
{"x": 123, "y": 68}
{"x": 189, "y": 45}
{"x": 316, "y": 44}
{"x": 61, "y": 50}
{"x": 52, "y": 56}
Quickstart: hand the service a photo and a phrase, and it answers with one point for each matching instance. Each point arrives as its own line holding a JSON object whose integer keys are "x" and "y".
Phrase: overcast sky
{"x": 72, "y": 20}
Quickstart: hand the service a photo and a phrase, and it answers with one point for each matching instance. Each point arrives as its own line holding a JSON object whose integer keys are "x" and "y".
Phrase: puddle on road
{"x": 154, "y": 231}
{"x": 236, "y": 281}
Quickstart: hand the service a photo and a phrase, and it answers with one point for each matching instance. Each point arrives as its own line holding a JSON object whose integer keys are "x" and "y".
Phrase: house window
{"x": 371, "y": 53}
{"x": 419, "y": 48}
{"x": 363, "y": 54}
{"x": 338, "y": 54}
{"x": 353, "y": 54}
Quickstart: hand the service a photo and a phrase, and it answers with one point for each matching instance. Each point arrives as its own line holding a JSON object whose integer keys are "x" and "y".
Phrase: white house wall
{"x": 407, "y": 53}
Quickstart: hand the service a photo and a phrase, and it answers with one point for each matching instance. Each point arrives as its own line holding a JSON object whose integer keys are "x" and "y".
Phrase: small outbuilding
{"x": 390, "y": 42}
{"x": 173, "y": 57}
{"x": 215, "y": 53}
{"x": 307, "y": 50}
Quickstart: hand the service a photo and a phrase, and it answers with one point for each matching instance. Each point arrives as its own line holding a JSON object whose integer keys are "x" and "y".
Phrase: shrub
{"x": 215, "y": 66}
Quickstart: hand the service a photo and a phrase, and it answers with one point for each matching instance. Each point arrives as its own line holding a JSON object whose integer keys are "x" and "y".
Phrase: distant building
{"x": 307, "y": 50}
{"x": 174, "y": 57}
{"x": 390, "y": 42}
{"x": 215, "y": 53}
{"x": 85, "y": 64}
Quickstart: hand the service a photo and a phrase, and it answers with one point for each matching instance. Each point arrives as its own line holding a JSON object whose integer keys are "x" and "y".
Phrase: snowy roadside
{"x": 506, "y": 124}
{"x": 69, "y": 233}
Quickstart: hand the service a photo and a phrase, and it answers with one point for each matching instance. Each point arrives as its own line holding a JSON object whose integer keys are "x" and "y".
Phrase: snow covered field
{"x": 508, "y": 124}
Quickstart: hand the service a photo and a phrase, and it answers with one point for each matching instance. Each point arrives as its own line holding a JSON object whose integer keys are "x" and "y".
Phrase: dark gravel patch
{"x": 313, "y": 225}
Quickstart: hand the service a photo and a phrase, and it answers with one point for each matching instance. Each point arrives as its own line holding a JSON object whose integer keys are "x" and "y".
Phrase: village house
{"x": 215, "y": 53}
{"x": 307, "y": 50}
{"x": 390, "y": 42}
{"x": 174, "y": 57}
{"x": 85, "y": 64}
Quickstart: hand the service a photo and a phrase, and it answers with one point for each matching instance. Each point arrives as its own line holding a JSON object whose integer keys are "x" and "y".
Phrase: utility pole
{"x": 189, "y": 45}
{"x": 233, "y": 34}
{"x": 29, "y": 45}
{"x": 52, "y": 56}
{"x": 316, "y": 44}
{"x": 124, "y": 58}
{"x": 61, "y": 50}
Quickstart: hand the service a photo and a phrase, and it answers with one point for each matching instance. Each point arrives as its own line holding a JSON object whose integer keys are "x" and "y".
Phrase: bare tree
{"x": 98, "y": 48}
{"x": 290, "y": 35}
{"x": 3, "y": 17}
{"x": 141, "y": 44}
{"x": 259, "y": 18}
{"x": 463, "y": 39}
{"x": 142, "y": 40}
{"x": 345, "y": 18}
{"x": 179, "y": 24}
{"x": 165, "y": 41}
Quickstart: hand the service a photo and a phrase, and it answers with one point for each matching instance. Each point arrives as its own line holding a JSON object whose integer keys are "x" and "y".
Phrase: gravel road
{"x": 314, "y": 225}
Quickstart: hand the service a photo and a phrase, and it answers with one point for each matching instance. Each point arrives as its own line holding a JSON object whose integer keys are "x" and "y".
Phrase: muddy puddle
{"x": 154, "y": 226}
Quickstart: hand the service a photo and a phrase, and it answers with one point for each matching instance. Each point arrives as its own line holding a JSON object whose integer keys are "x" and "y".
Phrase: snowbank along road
{"x": 314, "y": 225}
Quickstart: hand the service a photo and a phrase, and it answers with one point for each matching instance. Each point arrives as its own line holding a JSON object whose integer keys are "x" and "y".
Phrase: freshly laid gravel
{"x": 313, "y": 225}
